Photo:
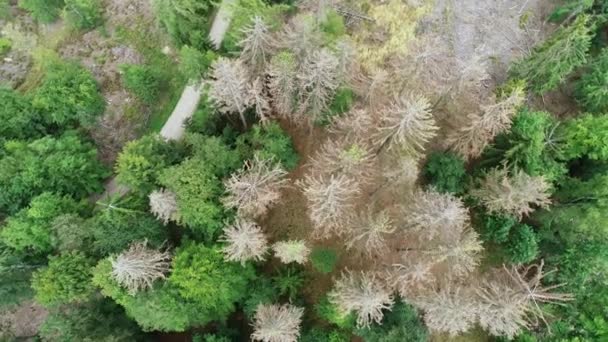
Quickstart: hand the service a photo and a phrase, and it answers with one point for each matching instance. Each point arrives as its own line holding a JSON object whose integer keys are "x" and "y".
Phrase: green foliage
{"x": 31, "y": 228}
{"x": 329, "y": 312}
{"x": 269, "y": 141}
{"x": 98, "y": 320}
{"x": 340, "y": 104}
{"x": 161, "y": 308}
{"x": 45, "y": 11}
{"x": 218, "y": 157}
{"x": 243, "y": 12}
{"x": 445, "y": 172}
{"x": 125, "y": 222}
{"x": 71, "y": 233}
{"x": 496, "y": 228}
{"x": 5, "y": 9}
{"x": 523, "y": 245}
{"x": 66, "y": 279}
{"x": 143, "y": 81}
{"x": 316, "y": 335}
{"x": 201, "y": 275}
{"x": 68, "y": 96}
{"x": 198, "y": 191}
{"x": 206, "y": 119}
{"x": 333, "y": 26}
{"x": 65, "y": 165}
{"x": 585, "y": 136}
{"x": 401, "y": 324}
{"x": 570, "y": 8}
{"x": 15, "y": 275}
{"x": 194, "y": 63}
{"x": 187, "y": 21}
{"x": 529, "y": 146}
{"x": 5, "y": 46}
{"x": 260, "y": 291}
{"x": 210, "y": 338}
{"x": 83, "y": 14}
{"x": 18, "y": 120}
{"x": 140, "y": 163}
{"x": 288, "y": 282}
{"x": 572, "y": 220}
{"x": 592, "y": 88}
{"x": 323, "y": 259}
{"x": 550, "y": 64}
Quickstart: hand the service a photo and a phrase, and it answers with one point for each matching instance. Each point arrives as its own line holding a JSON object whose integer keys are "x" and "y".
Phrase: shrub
{"x": 333, "y": 26}
{"x": 202, "y": 276}
{"x": 83, "y": 14}
{"x": 523, "y": 245}
{"x": 269, "y": 141}
{"x": 323, "y": 260}
{"x": 445, "y": 172}
{"x": 141, "y": 162}
{"x": 194, "y": 63}
{"x": 68, "y": 96}
{"x": 64, "y": 165}
{"x": 31, "y": 228}
{"x": 5, "y": 46}
{"x": 66, "y": 279}
{"x": 401, "y": 324}
{"x": 143, "y": 81}
{"x": 592, "y": 88}
{"x": 98, "y": 320}
{"x": 45, "y": 11}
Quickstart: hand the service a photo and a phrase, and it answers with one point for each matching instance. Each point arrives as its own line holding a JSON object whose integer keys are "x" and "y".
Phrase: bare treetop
{"x": 353, "y": 159}
{"x": 460, "y": 252}
{"x": 291, "y": 251}
{"x": 254, "y": 188}
{"x": 514, "y": 193}
{"x": 318, "y": 81}
{"x": 163, "y": 204}
{"x": 282, "y": 84}
{"x": 330, "y": 203}
{"x": 450, "y": 310}
{"x": 137, "y": 268}
{"x": 407, "y": 124}
{"x": 277, "y": 323}
{"x": 257, "y": 45}
{"x": 411, "y": 275}
{"x": 370, "y": 231}
{"x": 357, "y": 123}
{"x": 229, "y": 88}
{"x": 364, "y": 294}
{"x": 244, "y": 241}
{"x": 301, "y": 36}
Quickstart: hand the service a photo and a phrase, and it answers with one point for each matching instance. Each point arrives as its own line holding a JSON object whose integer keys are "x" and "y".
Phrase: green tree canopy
{"x": 18, "y": 120}
{"x": 143, "y": 81}
{"x": 66, "y": 279}
{"x": 45, "y": 11}
{"x": 83, "y": 14}
{"x": 31, "y": 228}
{"x": 592, "y": 88}
{"x": 400, "y": 324}
{"x": 587, "y": 136}
{"x": 187, "y": 21}
{"x": 65, "y": 165}
{"x": 269, "y": 141}
{"x": 445, "y": 172}
{"x": 68, "y": 96}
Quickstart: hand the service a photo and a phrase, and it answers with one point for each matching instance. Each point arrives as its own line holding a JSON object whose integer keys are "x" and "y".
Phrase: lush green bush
{"x": 194, "y": 63}
{"x": 68, "y": 96}
{"x": 522, "y": 246}
{"x": 400, "y": 324}
{"x": 18, "y": 120}
{"x": 187, "y": 21}
{"x": 530, "y": 145}
{"x": 66, "y": 279}
{"x": 128, "y": 221}
{"x": 143, "y": 81}
{"x": 140, "y": 163}
{"x": 65, "y": 165}
{"x": 269, "y": 141}
{"x": 202, "y": 275}
{"x": 323, "y": 259}
{"x": 445, "y": 172}
{"x": 98, "y": 320}
{"x": 550, "y": 63}
{"x": 83, "y": 14}
{"x": 585, "y": 136}
{"x": 31, "y": 228}
{"x": 160, "y": 308}
{"x": 592, "y": 88}
{"x": 45, "y": 11}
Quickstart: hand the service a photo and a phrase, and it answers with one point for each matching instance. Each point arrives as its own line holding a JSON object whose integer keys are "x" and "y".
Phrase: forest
{"x": 304, "y": 170}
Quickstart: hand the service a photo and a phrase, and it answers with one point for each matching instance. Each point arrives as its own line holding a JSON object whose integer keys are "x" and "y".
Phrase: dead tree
{"x": 353, "y": 159}
{"x": 460, "y": 252}
{"x": 472, "y": 139}
{"x": 317, "y": 83}
{"x": 244, "y": 241}
{"x": 451, "y": 310}
{"x": 257, "y": 46}
{"x": 163, "y": 204}
{"x": 330, "y": 203}
{"x": 259, "y": 100}
{"x": 229, "y": 87}
{"x": 514, "y": 193}
{"x": 407, "y": 124}
{"x": 432, "y": 214}
{"x": 282, "y": 84}
{"x": 291, "y": 251}
{"x": 369, "y": 232}
{"x": 277, "y": 323}
{"x": 301, "y": 36}
{"x": 253, "y": 189}
{"x": 411, "y": 275}
{"x": 137, "y": 268}
{"x": 363, "y": 294}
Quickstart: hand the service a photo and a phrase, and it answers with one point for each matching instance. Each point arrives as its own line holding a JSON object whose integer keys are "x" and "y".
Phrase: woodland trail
{"x": 174, "y": 128}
